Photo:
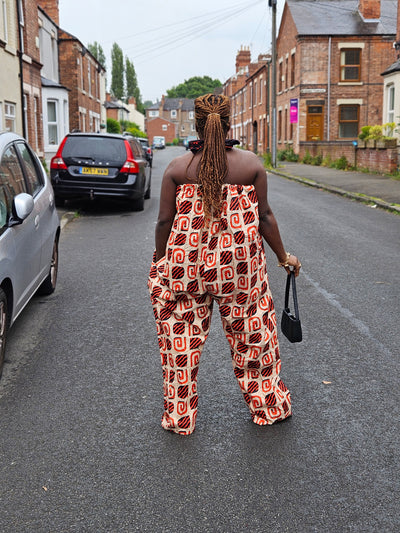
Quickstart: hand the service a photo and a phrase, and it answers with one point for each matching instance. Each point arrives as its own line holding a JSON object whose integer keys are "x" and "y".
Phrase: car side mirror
{"x": 22, "y": 207}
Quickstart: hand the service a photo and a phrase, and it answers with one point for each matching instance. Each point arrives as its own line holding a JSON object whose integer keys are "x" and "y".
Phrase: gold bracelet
{"x": 285, "y": 263}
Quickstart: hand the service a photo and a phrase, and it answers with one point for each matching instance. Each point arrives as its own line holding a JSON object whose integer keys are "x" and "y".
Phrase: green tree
{"x": 132, "y": 88}
{"x": 97, "y": 51}
{"x": 194, "y": 87}
{"x": 117, "y": 72}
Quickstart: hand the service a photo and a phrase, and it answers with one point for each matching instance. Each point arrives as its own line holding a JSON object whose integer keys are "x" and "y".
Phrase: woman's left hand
{"x": 293, "y": 264}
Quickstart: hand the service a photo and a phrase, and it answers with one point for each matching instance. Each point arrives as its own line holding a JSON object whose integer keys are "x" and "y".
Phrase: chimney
{"x": 50, "y": 7}
{"x": 243, "y": 58}
{"x": 370, "y": 10}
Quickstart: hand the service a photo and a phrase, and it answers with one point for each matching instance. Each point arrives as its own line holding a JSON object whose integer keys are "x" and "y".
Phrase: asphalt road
{"x": 81, "y": 445}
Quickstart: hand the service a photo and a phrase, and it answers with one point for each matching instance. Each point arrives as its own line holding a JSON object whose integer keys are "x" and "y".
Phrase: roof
{"x": 186, "y": 104}
{"x": 115, "y": 105}
{"x": 395, "y": 67}
{"x": 340, "y": 17}
{"x": 50, "y": 83}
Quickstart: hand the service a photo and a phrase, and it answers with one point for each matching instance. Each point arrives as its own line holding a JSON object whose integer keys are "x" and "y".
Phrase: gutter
{"x": 21, "y": 76}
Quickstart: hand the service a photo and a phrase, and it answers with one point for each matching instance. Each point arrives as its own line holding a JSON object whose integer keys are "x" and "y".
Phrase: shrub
{"x": 316, "y": 160}
{"x": 287, "y": 155}
{"x": 364, "y": 133}
{"x": 267, "y": 158}
{"x": 341, "y": 163}
{"x": 175, "y": 141}
{"x": 307, "y": 158}
{"x": 326, "y": 161}
{"x": 113, "y": 126}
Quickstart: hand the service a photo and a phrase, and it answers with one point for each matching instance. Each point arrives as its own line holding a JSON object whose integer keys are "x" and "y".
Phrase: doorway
{"x": 255, "y": 137}
{"x": 315, "y": 122}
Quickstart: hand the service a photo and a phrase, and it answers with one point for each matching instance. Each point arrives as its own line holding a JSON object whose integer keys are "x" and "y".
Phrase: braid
{"x": 212, "y": 123}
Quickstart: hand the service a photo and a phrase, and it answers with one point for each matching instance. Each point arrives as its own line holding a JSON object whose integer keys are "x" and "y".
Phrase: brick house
{"x": 391, "y": 81}
{"x": 84, "y": 76}
{"x": 55, "y": 108}
{"x": 116, "y": 109}
{"x": 330, "y": 56}
{"x": 178, "y": 112}
{"x": 31, "y": 78}
{"x": 11, "y": 110}
{"x": 249, "y": 92}
{"x": 160, "y": 126}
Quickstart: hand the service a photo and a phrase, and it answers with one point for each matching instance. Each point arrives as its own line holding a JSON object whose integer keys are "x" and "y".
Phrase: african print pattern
{"x": 225, "y": 263}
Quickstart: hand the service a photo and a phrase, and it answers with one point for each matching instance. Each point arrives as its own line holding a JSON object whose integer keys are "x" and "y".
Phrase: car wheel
{"x": 49, "y": 284}
{"x": 148, "y": 192}
{"x": 3, "y": 326}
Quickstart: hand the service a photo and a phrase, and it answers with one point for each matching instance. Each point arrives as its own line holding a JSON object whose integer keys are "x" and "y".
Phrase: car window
{"x": 94, "y": 150}
{"x": 136, "y": 149}
{"x": 11, "y": 182}
{"x": 32, "y": 171}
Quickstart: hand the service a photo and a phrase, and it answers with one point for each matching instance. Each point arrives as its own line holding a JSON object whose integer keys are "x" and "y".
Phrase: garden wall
{"x": 382, "y": 160}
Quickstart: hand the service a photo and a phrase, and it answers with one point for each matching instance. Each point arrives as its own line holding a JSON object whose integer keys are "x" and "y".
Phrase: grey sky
{"x": 169, "y": 41}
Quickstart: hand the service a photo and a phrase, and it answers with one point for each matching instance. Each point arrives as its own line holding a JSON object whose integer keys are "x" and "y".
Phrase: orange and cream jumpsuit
{"x": 224, "y": 262}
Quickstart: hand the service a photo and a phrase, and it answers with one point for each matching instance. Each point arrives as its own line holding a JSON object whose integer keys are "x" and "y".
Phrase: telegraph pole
{"x": 272, "y": 4}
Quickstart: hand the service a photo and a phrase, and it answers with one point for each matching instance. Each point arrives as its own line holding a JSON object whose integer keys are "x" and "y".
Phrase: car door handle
{"x": 37, "y": 221}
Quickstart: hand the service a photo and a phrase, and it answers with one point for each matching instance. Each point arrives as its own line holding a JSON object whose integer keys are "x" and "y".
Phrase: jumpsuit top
{"x": 223, "y": 258}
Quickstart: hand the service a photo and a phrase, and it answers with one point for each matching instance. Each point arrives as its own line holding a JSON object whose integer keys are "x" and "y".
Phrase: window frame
{"x": 344, "y": 65}
{"x": 340, "y": 122}
{"x": 52, "y": 123}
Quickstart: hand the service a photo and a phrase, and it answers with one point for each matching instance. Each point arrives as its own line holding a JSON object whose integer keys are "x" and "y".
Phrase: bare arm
{"x": 166, "y": 212}
{"x": 268, "y": 224}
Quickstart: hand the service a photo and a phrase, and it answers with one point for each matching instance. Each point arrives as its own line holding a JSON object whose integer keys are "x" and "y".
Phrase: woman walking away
{"x": 213, "y": 215}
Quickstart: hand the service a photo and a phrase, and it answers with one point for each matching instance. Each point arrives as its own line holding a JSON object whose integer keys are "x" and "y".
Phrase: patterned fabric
{"x": 225, "y": 263}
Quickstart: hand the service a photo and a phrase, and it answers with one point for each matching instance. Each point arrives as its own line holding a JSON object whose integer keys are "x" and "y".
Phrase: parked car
{"x": 101, "y": 165}
{"x": 29, "y": 231}
{"x": 147, "y": 149}
{"x": 159, "y": 142}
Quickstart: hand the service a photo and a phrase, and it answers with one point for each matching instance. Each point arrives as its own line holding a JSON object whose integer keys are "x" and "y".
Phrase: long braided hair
{"x": 212, "y": 113}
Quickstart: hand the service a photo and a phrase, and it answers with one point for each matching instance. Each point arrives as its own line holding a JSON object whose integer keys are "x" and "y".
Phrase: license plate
{"x": 97, "y": 171}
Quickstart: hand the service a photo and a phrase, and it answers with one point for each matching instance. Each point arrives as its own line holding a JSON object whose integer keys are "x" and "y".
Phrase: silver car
{"x": 29, "y": 231}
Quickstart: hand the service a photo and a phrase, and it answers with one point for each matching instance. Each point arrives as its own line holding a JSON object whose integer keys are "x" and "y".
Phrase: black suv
{"x": 147, "y": 148}
{"x": 101, "y": 165}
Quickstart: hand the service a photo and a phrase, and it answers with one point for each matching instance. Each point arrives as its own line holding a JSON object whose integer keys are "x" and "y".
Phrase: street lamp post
{"x": 272, "y": 4}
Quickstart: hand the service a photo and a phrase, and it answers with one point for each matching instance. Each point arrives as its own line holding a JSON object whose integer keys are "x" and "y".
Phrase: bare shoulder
{"x": 176, "y": 169}
{"x": 244, "y": 166}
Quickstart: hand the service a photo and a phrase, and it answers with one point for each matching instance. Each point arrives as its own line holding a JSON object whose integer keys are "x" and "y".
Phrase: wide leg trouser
{"x": 183, "y": 323}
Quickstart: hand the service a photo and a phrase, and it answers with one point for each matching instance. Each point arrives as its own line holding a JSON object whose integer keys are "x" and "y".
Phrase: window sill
{"x": 350, "y": 83}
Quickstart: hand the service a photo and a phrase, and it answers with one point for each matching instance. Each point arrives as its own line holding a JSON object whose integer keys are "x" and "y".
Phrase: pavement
{"x": 376, "y": 189}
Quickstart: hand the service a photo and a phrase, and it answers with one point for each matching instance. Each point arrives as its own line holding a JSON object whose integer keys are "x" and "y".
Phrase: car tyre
{"x": 148, "y": 192}
{"x": 4, "y": 323}
{"x": 49, "y": 284}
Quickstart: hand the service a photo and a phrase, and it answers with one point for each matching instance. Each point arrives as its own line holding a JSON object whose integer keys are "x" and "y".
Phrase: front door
{"x": 315, "y": 122}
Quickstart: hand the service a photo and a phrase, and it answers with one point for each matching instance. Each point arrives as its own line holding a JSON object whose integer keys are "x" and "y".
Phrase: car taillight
{"x": 130, "y": 165}
{"x": 57, "y": 162}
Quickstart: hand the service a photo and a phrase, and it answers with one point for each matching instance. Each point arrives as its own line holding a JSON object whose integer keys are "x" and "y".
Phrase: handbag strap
{"x": 291, "y": 279}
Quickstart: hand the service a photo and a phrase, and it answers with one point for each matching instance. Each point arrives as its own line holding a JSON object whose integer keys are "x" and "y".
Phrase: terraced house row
{"x": 50, "y": 83}
{"x": 338, "y": 70}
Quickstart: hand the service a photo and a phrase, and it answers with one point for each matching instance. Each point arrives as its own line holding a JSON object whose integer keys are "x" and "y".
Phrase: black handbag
{"x": 290, "y": 323}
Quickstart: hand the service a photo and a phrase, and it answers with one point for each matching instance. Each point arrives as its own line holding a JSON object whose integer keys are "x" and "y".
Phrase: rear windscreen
{"x": 95, "y": 150}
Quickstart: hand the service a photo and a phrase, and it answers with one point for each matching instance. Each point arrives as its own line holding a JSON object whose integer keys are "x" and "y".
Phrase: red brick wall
{"x": 154, "y": 127}
{"x": 51, "y": 8}
{"x": 378, "y": 160}
{"x": 71, "y": 51}
{"x": 31, "y": 76}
